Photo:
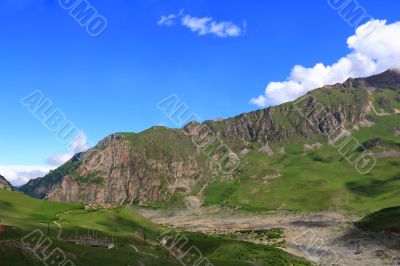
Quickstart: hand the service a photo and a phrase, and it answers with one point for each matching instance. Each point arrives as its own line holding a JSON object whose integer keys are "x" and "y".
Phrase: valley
{"x": 325, "y": 238}
{"x": 317, "y": 183}
{"x": 287, "y": 161}
{"x": 137, "y": 240}
{"x": 200, "y": 133}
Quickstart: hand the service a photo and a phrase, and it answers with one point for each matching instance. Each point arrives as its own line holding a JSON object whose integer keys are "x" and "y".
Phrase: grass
{"x": 223, "y": 251}
{"x": 297, "y": 181}
{"x": 386, "y": 100}
{"x": 22, "y": 211}
{"x": 274, "y": 236}
{"x": 383, "y": 220}
{"x": 160, "y": 142}
{"x": 317, "y": 180}
{"x": 22, "y": 215}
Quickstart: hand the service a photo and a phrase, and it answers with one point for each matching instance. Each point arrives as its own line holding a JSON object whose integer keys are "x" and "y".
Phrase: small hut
{"x": 93, "y": 240}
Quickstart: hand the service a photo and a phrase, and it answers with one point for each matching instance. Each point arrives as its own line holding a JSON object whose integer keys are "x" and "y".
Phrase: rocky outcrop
{"x": 128, "y": 168}
{"x": 266, "y": 150}
{"x": 311, "y": 147}
{"x": 4, "y": 184}
{"x": 120, "y": 173}
{"x": 154, "y": 165}
{"x": 307, "y": 118}
{"x": 389, "y": 79}
{"x": 325, "y": 109}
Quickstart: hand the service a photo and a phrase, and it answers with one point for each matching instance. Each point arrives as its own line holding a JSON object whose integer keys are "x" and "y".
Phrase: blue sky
{"x": 113, "y": 82}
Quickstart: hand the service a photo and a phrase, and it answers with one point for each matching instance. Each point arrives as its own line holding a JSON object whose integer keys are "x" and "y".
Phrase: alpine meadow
{"x": 139, "y": 133}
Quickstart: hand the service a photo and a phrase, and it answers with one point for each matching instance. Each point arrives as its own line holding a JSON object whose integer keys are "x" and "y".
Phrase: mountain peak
{"x": 390, "y": 79}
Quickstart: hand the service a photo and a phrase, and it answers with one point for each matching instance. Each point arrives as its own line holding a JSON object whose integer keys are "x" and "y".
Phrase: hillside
{"x": 60, "y": 221}
{"x": 285, "y": 158}
{"x": 386, "y": 220}
{"x": 4, "y": 184}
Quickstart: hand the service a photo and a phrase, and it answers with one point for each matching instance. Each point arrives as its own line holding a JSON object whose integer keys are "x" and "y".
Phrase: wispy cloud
{"x": 79, "y": 144}
{"x": 19, "y": 175}
{"x": 59, "y": 159}
{"x": 204, "y": 25}
{"x": 167, "y": 20}
{"x": 371, "y": 53}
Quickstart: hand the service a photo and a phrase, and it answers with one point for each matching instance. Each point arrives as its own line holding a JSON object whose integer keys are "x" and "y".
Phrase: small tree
{"x": 2, "y": 228}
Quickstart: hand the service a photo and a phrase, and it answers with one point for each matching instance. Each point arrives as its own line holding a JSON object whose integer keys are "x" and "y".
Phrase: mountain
{"x": 4, "y": 184}
{"x": 287, "y": 156}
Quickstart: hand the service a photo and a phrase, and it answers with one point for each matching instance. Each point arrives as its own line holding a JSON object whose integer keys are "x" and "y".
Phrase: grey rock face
{"x": 4, "y": 184}
{"x": 151, "y": 166}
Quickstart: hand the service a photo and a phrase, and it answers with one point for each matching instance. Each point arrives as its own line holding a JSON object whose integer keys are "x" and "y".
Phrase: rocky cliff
{"x": 126, "y": 168}
{"x": 4, "y": 184}
{"x": 160, "y": 163}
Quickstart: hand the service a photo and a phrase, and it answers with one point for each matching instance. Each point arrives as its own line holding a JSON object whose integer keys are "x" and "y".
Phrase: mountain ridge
{"x": 168, "y": 165}
{"x": 4, "y": 184}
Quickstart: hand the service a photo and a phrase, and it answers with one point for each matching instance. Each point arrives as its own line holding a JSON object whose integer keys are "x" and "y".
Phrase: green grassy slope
{"x": 23, "y": 215}
{"x": 320, "y": 179}
{"x": 292, "y": 178}
{"x": 158, "y": 142}
{"x": 315, "y": 180}
{"x": 384, "y": 220}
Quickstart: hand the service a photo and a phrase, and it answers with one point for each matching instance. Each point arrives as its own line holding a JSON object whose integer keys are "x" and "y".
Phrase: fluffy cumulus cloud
{"x": 204, "y": 25}
{"x": 19, "y": 175}
{"x": 375, "y": 47}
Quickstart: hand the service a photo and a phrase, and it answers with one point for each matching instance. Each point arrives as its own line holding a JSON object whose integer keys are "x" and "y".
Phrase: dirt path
{"x": 141, "y": 262}
{"x": 59, "y": 234}
{"x": 59, "y": 230}
{"x": 325, "y": 238}
{"x": 143, "y": 253}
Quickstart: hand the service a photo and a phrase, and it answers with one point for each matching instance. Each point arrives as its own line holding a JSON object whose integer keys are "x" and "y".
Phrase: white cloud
{"x": 170, "y": 19}
{"x": 204, "y": 25}
{"x": 167, "y": 20}
{"x": 77, "y": 145}
{"x": 370, "y": 54}
{"x": 59, "y": 159}
{"x": 19, "y": 175}
{"x": 200, "y": 25}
